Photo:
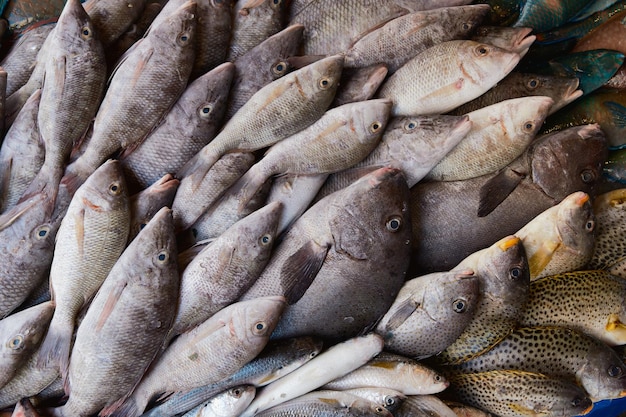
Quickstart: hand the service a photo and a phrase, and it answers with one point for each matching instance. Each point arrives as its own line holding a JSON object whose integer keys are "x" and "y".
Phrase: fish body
{"x": 610, "y": 212}
{"x": 451, "y": 73}
{"x": 112, "y": 18}
{"x": 545, "y": 15}
{"x": 609, "y": 35}
{"x": 359, "y": 84}
{"x": 145, "y": 204}
{"x": 430, "y": 313}
{"x": 424, "y": 405}
{"x": 230, "y": 403}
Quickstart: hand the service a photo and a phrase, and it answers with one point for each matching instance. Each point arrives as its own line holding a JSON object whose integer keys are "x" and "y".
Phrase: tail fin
{"x": 124, "y": 407}
{"x": 55, "y": 348}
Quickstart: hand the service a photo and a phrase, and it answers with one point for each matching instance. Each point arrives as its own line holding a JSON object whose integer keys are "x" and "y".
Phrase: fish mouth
{"x": 571, "y": 93}
{"x": 524, "y": 44}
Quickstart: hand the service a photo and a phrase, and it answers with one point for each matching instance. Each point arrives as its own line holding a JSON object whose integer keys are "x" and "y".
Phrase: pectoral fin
{"x": 109, "y": 305}
{"x": 541, "y": 258}
{"x": 496, "y": 190}
{"x": 400, "y": 314}
{"x": 301, "y": 268}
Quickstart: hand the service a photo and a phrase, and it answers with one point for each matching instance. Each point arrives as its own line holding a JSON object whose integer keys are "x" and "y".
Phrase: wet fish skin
{"x": 571, "y": 355}
{"x": 544, "y": 15}
{"x": 134, "y": 307}
{"x": 145, "y": 75}
{"x": 190, "y": 124}
{"x": 443, "y": 85}
{"x": 226, "y": 268}
{"x": 210, "y": 352}
{"x": 608, "y": 209}
{"x": 359, "y": 84}
{"x": 424, "y": 405}
{"x": 515, "y": 39}
{"x": 429, "y": 313}
{"x": 261, "y": 65}
{"x": 400, "y": 39}
{"x": 113, "y": 17}
{"x": 515, "y": 393}
{"x": 599, "y": 314}
{"x": 145, "y": 204}
{"x": 22, "y": 333}
{"x": 500, "y": 133}
{"x": 90, "y": 239}
{"x": 230, "y": 403}
{"x": 388, "y": 398}
{"x": 609, "y": 35}
{"x": 562, "y": 91}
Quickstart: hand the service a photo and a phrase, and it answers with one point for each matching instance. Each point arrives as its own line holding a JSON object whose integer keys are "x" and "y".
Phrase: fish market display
{"x": 312, "y": 207}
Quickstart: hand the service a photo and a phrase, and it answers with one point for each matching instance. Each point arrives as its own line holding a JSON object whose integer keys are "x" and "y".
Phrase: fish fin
{"x": 402, "y": 312}
{"x": 109, "y": 305}
{"x": 124, "y": 57}
{"x": 618, "y": 112}
{"x": 197, "y": 168}
{"x": 542, "y": 257}
{"x": 126, "y": 408}
{"x": 496, "y": 190}
{"x": 6, "y": 177}
{"x": 301, "y": 268}
{"x": 80, "y": 230}
{"x": 519, "y": 409}
{"x": 615, "y": 326}
{"x": 9, "y": 217}
{"x": 55, "y": 348}
{"x": 251, "y": 4}
{"x": 249, "y": 185}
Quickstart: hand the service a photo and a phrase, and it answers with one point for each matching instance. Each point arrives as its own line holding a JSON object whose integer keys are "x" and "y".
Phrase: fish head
{"x": 253, "y": 321}
{"x": 528, "y": 114}
{"x": 468, "y": 18}
{"x": 75, "y": 25}
{"x": 569, "y": 160}
{"x": 485, "y": 64}
{"x": 373, "y": 215}
{"x": 22, "y": 331}
{"x": 230, "y": 402}
{"x": 514, "y": 39}
{"x": 453, "y": 298}
{"x": 205, "y": 96}
{"x": 257, "y": 233}
{"x": 152, "y": 199}
{"x": 576, "y": 223}
{"x": 156, "y": 245}
{"x": 563, "y": 90}
{"x": 105, "y": 189}
{"x": 178, "y": 30}
{"x": 320, "y": 78}
{"x": 603, "y": 375}
{"x": 369, "y": 117}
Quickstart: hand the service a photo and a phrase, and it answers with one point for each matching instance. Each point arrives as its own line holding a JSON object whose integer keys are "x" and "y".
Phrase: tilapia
{"x": 589, "y": 301}
{"x": 90, "y": 239}
{"x": 430, "y": 313}
{"x": 608, "y": 252}
{"x": 450, "y": 74}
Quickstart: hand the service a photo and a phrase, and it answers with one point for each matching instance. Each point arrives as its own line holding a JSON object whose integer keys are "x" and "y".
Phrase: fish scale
{"x": 609, "y": 251}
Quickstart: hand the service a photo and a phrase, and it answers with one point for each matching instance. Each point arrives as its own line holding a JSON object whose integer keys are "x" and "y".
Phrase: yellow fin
{"x": 542, "y": 257}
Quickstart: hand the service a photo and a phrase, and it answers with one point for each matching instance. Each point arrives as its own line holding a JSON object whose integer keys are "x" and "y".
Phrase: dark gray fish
{"x": 112, "y": 18}
{"x": 359, "y": 84}
{"x": 145, "y": 204}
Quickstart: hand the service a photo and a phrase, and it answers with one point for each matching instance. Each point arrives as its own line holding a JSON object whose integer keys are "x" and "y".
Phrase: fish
{"x": 515, "y": 393}
{"x": 599, "y": 313}
{"x": 253, "y": 22}
{"x": 277, "y": 359}
{"x": 514, "y": 39}
{"x": 500, "y": 133}
{"x": 618, "y": 80}
{"x": 24, "y": 408}
{"x": 112, "y": 18}
{"x": 429, "y": 313}
{"x": 226, "y": 268}
{"x": 400, "y": 39}
{"x": 90, "y": 239}
{"x": 456, "y": 203}
{"x": 561, "y": 239}
{"x": 145, "y": 75}
{"x": 606, "y": 36}
{"x": 545, "y": 15}
{"x": 397, "y": 372}
{"x": 332, "y": 251}
{"x": 388, "y": 398}
{"x": 359, "y": 84}
{"x": 451, "y": 73}
{"x": 140, "y": 291}
{"x": 562, "y": 90}
{"x": 608, "y": 209}
{"x": 613, "y": 169}
{"x": 22, "y": 333}
{"x": 332, "y": 363}
{"x": 229, "y": 403}
{"x": 418, "y": 405}
{"x": 145, "y": 204}
{"x": 208, "y": 353}
{"x": 189, "y": 125}
{"x": 558, "y": 352}
{"x": 504, "y": 277}
{"x": 464, "y": 410}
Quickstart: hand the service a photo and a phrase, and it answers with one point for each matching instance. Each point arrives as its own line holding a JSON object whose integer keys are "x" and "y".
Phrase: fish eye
{"x": 529, "y": 126}
{"x": 42, "y": 232}
{"x": 515, "y": 272}
{"x": 85, "y": 32}
{"x": 276, "y": 3}
{"x": 183, "y": 38}
{"x": 312, "y": 355}
{"x": 590, "y": 225}
{"x": 115, "y": 188}
{"x": 465, "y": 26}
{"x": 481, "y": 50}
{"x": 265, "y": 239}
{"x": 394, "y": 224}
{"x": 459, "y": 305}
{"x": 375, "y": 127}
{"x": 389, "y": 400}
{"x": 16, "y": 343}
{"x": 205, "y": 110}
{"x": 532, "y": 83}
{"x": 577, "y": 402}
{"x": 279, "y": 68}
{"x": 237, "y": 392}
{"x": 410, "y": 125}
{"x": 614, "y": 371}
{"x": 587, "y": 176}
{"x": 163, "y": 257}
{"x": 438, "y": 378}
{"x": 379, "y": 409}
{"x": 324, "y": 83}
{"x": 260, "y": 327}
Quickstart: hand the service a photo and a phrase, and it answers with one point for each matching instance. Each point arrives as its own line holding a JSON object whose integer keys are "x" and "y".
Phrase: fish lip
{"x": 523, "y": 44}
{"x": 462, "y": 126}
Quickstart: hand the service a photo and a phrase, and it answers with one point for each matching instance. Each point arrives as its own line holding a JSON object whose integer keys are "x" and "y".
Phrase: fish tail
{"x": 46, "y": 182}
{"x": 125, "y": 407}
{"x": 55, "y": 349}
{"x": 75, "y": 176}
{"x": 248, "y": 186}
{"x": 197, "y": 168}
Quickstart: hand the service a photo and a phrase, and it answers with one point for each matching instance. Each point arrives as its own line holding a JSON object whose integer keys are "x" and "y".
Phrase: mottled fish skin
{"x": 451, "y": 73}
{"x": 503, "y": 272}
{"x": 514, "y": 393}
{"x": 560, "y": 239}
{"x": 275, "y": 112}
{"x": 276, "y": 360}
{"x": 590, "y": 301}
{"x": 261, "y": 65}
{"x": 21, "y": 58}
{"x": 393, "y": 371}
{"x": 134, "y": 307}
{"x": 558, "y": 352}
{"x": 359, "y": 84}
{"x": 226, "y": 268}
{"x": 500, "y": 133}
{"x": 90, "y": 239}
{"x": 253, "y": 22}
{"x": 400, "y": 39}
{"x": 430, "y": 313}
{"x": 423, "y": 405}
{"x": 189, "y": 125}
{"x": 544, "y": 15}
{"x": 609, "y": 253}
{"x": 333, "y": 363}
{"x": 447, "y": 226}
{"x": 516, "y": 39}
{"x": 21, "y": 155}
{"x": 112, "y": 18}
{"x": 142, "y": 89}
{"x": 364, "y": 227}
{"x": 21, "y": 334}
{"x": 464, "y": 410}
{"x": 609, "y": 35}
{"x": 562, "y": 91}
{"x": 229, "y": 403}
{"x": 210, "y": 352}
{"x": 145, "y": 204}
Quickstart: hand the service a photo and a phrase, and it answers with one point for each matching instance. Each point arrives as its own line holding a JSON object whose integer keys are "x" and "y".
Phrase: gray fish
{"x": 424, "y": 406}
{"x": 515, "y": 39}
{"x": 21, "y": 334}
{"x": 24, "y": 408}
{"x": 112, "y": 18}
{"x": 430, "y": 313}
{"x": 359, "y": 84}
{"x": 334, "y": 251}
{"x": 561, "y": 353}
{"x": 230, "y": 403}
{"x": 448, "y": 225}
{"x": 145, "y": 204}
{"x": 388, "y": 398}
{"x": 189, "y": 125}
{"x": 609, "y": 210}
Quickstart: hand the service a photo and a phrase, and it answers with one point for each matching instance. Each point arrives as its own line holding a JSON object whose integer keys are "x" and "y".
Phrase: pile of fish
{"x": 313, "y": 207}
